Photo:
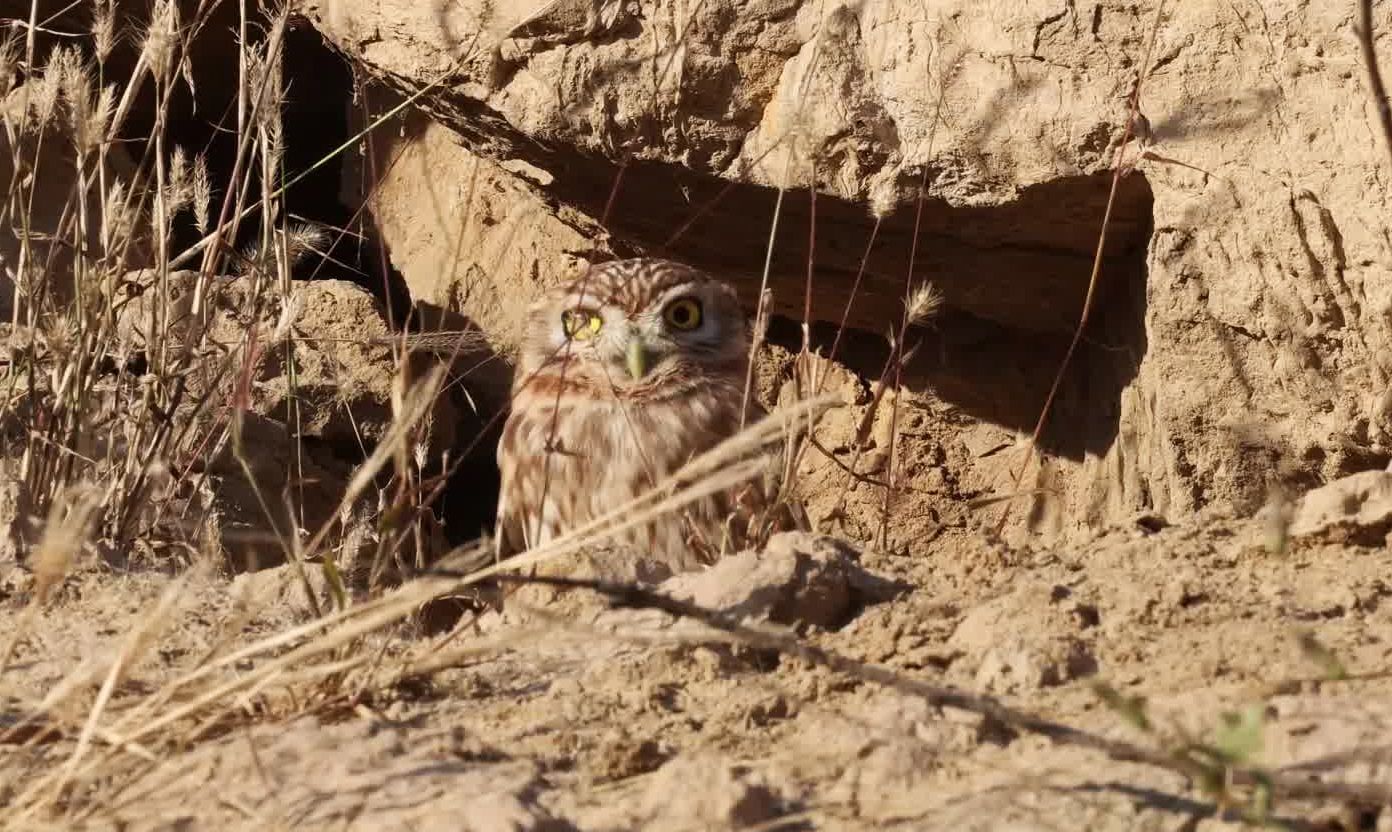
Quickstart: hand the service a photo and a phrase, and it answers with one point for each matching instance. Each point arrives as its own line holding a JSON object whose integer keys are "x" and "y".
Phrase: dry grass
{"x": 118, "y": 398}
{"x": 87, "y": 407}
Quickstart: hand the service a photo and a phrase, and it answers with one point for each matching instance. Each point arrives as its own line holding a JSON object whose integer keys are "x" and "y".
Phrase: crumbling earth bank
{"x": 1240, "y": 334}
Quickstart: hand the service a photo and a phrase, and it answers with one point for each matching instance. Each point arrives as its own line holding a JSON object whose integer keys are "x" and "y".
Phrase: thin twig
{"x": 811, "y": 262}
{"x": 1375, "y": 85}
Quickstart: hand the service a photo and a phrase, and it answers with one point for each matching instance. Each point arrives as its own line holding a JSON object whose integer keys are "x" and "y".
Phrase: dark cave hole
{"x": 320, "y": 87}
{"x": 476, "y": 385}
{"x": 1013, "y": 277}
{"x": 203, "y": 120}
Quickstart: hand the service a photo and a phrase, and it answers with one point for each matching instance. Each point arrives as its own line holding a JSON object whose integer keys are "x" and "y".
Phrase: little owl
{"x": 625, "y": 375}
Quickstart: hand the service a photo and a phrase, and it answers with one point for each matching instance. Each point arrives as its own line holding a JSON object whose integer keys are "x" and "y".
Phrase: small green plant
{"x": 1237, "y": 742}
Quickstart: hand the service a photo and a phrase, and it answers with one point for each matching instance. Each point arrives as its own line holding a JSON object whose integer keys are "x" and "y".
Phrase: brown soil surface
{"x": 619, "y": 719}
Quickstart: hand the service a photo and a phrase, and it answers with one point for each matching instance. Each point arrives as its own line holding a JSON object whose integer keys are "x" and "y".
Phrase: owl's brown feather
{"x": 584, "y": 437}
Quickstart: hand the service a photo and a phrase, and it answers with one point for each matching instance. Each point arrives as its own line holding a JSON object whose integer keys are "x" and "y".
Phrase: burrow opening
{"x": 315, "y": 121}
{"x": 1013, "y": 278}
{"x": 320, "y": 87}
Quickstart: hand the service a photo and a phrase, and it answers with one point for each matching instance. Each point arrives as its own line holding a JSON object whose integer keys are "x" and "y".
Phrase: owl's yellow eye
{"x": 683, "y": 313}
{"x": 581, "y": 324}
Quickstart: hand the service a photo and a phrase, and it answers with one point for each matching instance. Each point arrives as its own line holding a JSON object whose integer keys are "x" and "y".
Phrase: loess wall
{"x": 1239, "y": 340}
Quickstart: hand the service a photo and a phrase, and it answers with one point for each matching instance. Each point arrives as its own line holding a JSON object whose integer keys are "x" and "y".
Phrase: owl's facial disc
{"x": 639, "y": 343}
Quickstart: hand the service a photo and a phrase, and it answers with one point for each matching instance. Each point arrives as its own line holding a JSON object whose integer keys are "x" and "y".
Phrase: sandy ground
{"x": 575, "y": 715}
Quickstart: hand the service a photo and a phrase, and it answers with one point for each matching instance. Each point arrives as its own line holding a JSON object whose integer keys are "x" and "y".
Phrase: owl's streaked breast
{"x": 604, "y": 455}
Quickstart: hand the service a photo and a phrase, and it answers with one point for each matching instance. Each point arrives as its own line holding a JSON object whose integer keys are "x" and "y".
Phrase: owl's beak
{"x": 637, "y": 358}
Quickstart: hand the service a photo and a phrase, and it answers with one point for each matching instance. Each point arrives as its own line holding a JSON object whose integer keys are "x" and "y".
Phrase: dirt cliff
{"x": 1239, "y": 336}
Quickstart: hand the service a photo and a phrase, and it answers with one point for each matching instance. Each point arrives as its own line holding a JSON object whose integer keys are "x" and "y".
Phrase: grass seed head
{"x": 45, "y": 92}
{"x": 202, "y": 193}
{"x": 91, "y": 116}
{"x": 103, "y": 29}
{"x": 883, "y": 201}
{"x": 159, "y": 45}
{"x": 925, "y": 302}
{"x": 75, "y": 85}
{"x": 306, "y": 238}
{"x": 118, "y": 215}
{"x": 178, "y": 187}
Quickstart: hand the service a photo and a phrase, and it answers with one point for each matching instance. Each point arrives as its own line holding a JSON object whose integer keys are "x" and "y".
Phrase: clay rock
{"x": 1024, "y": 640}
{"x": 1355, "y": 509}
{"x": 705, "y": 791}
{"x": 739, "y": 79}
{"x": 798, "y": 578}
{"x": 605, "y": 563}
{"x": 737, "y": 73}
{"x": 343, "y": 372}
{"x": 247, "y": 489}
{"x": 466, "y": 234}
{"x": 284, "y": 589}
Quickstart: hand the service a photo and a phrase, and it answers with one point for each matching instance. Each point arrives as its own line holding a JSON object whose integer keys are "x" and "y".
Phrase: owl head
{"x": 638, "y": 328}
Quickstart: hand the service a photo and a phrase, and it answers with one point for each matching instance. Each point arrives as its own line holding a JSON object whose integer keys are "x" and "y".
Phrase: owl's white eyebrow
{"x": 684, "y": 290}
